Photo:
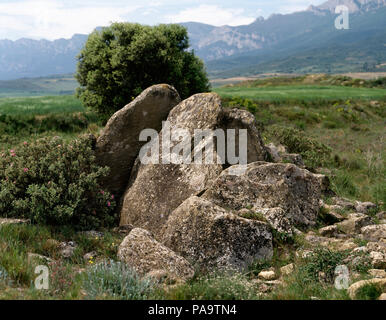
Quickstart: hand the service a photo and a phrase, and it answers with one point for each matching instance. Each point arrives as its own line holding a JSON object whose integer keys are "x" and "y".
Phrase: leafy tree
{"x": 118, "y": 62}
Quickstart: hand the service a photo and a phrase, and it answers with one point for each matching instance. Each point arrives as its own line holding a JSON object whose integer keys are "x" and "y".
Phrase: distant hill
{"x": 300, "y": 42}
{"x": 37, "y": 58}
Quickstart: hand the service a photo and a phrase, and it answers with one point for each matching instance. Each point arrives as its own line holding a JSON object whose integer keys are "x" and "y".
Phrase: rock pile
{"x": 182, "y": 216}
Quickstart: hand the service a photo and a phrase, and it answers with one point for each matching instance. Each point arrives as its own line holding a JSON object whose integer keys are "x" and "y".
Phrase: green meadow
{"x": 302, "y": 92}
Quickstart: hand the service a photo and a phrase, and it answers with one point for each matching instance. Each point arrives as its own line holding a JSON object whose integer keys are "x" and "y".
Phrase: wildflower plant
{"x": 116, "y": 280}
{"x": 56, "y": 183}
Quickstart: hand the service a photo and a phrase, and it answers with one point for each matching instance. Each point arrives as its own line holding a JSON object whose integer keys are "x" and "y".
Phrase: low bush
{"x": 322, "y": 260}
{"x": 368, "y": 292}
{"x": 118, "y": 281}
{"x": 315, "y": 154}
{"x": 214, "y": 287}
{"x": 55, "y": 183}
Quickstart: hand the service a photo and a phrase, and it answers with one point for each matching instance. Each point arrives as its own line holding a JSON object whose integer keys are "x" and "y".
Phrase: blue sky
{"x": 53, "y": 19}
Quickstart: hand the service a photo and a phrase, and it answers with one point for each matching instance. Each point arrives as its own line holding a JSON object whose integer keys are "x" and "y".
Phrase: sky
{"x": 54, "y": 19}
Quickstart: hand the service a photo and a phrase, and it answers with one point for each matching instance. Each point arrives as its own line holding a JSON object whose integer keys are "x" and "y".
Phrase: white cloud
{"x": 51, "y": 19}
{"x": 212, "y": 14}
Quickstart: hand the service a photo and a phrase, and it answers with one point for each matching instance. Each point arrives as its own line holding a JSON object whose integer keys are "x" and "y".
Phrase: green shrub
{"x": 322, "y": 260}
{"x": 342, "y": 183}
{"x": 368, "y": 292}
{"x": 215, "y": 287}
{"x": 314, "y": 153}
{"x": 116, "y": 280}
{"x": 28, "y": 124}
{"x": 55, "y": 183}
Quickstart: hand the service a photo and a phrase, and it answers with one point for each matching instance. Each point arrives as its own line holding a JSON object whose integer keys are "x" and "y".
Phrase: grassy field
{"x": 302, "y": 92}
{"x": 339, "y": 130}
{"x": 40, "y": 105}
{"x": 44, "y": 86}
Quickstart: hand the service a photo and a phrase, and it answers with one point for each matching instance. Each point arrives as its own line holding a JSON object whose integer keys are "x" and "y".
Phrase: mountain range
{"x": 305, "y": 41}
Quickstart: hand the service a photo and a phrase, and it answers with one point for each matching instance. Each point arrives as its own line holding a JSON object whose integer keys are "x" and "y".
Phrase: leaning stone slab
{"x": 214, "y": 238}
{"x": 119, "y": 145}
{"x": 143, "y": 253}
{"x": 155, "y": 190}
{"x": 295, "y": 191}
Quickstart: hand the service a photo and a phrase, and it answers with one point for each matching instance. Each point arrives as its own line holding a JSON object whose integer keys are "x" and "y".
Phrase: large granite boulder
{"x": 215, "y": 238}
{"x": 143, "y": 253}
{"x": 155, "y": 190}
{"x": 285, "y": 194}
{"x": 119, "y": 144}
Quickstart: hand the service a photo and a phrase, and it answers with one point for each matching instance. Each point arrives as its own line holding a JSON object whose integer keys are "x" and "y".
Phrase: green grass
{"x": 302, "y": 93}
{"x": 43, "y": 86}
{"x": 40, "y": 105}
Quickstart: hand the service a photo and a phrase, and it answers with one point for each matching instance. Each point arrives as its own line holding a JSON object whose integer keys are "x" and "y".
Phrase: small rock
{"x": 377, "y": 273}
{"x": 6, "y": 221}
{"x": 378, "y": 259}
{"x": 164, "y": 277}
{"x": 124, "y": 229}
{"x": 267, "y": 275}
{"x": 67, "y": 249}
{"x": 354, "y": 224}
{"x": 90, "y": 256}
{"x": 346, "y": 204}
{"x": 360, "y": 250}
{"x": 382, "y": 296}
{"x": 348, "y": 245}
{"x": 36, "y": 259}
{"x": 379, "y": 246}
{"x": 374, "y": 232}
{"x": 381, "y": 215}
{"x": 288, "y": 269}
{"x": 92, "y": 234}
{"x": 329, "y": 231}
{"x": 354, "y": 288}
{"x": 142, "y": 252}
{"x": 364, "y": 207}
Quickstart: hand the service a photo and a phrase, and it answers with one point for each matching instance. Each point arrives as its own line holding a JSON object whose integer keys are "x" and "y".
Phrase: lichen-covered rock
{"x": 364, "y": 207}
{"x": 280, "y": 154}
{"x": 155, "y": 190}
{"x": 354, "y": 223}
{"x": 378, "y": 259}
{"x": 328, "y": 231}
{"x": 343, "y": 203}
{"x": 374, "y": 232}
{"x": 215, "y": 238}
{"x": 377, "y": 273}
{"x": 270, "y": 185}
{"x": 242, "y": 119}
{"x": 268, "y": 275}
{"x": 119, "y": 145}
{"x": 142, "y": 252}
{"x": 8, "y": 221}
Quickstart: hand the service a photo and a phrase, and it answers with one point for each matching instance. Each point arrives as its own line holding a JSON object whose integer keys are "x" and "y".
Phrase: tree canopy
{"x": 118, "y": 62}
